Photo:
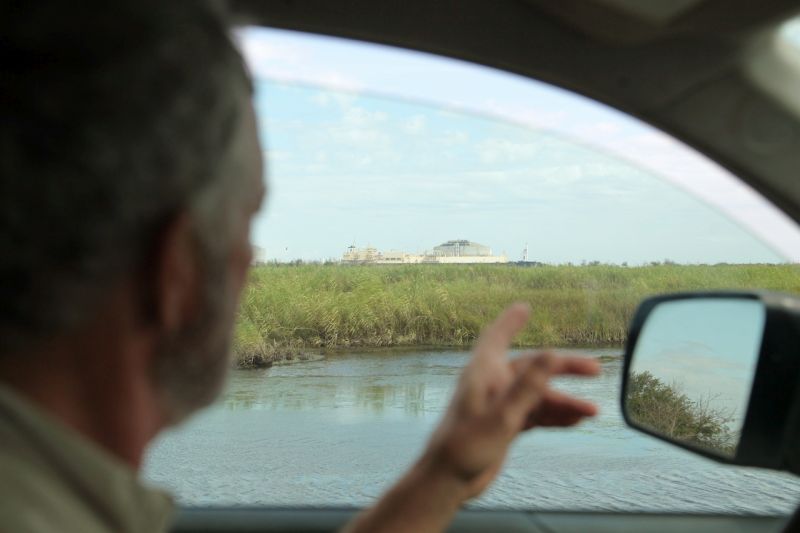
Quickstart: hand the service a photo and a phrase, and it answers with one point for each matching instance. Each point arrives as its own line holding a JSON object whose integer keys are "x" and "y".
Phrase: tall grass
{"x": 290, "y": 309}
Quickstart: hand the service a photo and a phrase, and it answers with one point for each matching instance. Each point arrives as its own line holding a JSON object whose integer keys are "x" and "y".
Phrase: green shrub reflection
{"x": 666, "y": 410}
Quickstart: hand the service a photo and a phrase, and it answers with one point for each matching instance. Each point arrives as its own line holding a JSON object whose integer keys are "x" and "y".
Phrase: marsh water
{"x": 337, "y": 431}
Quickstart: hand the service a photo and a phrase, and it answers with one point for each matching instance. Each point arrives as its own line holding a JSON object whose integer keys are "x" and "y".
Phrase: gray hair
{"x": 114, "y": 116}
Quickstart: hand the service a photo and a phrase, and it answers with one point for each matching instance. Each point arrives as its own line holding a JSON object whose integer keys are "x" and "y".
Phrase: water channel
{"x": 338, "y": 431}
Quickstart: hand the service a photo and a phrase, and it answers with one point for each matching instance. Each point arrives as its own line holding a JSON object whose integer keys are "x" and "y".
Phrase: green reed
{"x": 288, "y": 310}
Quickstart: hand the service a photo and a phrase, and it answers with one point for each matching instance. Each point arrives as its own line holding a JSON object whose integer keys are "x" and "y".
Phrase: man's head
{"x": 129, "y": 165}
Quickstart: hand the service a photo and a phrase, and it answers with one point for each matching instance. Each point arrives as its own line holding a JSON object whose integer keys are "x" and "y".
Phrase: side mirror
{"x": 718, "y": 373}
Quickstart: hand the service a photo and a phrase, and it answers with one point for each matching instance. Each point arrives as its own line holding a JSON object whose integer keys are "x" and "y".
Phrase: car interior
{"x": 710, "y": 73}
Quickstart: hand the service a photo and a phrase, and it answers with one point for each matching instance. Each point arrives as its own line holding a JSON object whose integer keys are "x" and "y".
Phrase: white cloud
{"x": 505, "y": 151}
{"x": 322, "y": 98}
{"x": 273, "y": 156}
{"x": 453, "y": 138}
{"x": 704, "y": 179}
{"x": 415, "y": 125}
{"x": 325, "y": 98}
{"x": 361, "y": 135}
{"x": 362, "y": 117}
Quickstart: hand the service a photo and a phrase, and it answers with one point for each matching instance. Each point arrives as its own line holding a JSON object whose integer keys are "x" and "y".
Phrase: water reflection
{"x": 301, "y": 387}
{"x": 377, "y": 397}
{"x": 335, "y": 432}
{"x": 373, "y": 398}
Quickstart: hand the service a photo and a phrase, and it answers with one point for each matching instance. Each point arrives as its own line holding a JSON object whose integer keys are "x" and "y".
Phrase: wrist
{"x": 423, "y": 501}
{"x": 433, "y": 473}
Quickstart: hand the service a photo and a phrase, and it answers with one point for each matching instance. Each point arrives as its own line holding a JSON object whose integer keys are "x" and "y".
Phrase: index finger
{"x": 496, "y": 338}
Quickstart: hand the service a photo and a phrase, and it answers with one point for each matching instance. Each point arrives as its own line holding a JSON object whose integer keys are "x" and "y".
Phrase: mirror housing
{"x": 768, "y": 429}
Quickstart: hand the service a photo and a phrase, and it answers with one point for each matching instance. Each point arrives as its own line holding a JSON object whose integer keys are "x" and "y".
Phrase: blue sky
{"x": 401, "y": 150}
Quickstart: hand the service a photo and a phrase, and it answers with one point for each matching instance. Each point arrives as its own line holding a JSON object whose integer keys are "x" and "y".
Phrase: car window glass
{"x": 790, "y": 32}
{"x": 411, "y": 198}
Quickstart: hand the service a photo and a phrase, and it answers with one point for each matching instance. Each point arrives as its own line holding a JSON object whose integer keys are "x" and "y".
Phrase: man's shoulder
{"x": 54, "y": 479}
{"x": 35, "y": 500}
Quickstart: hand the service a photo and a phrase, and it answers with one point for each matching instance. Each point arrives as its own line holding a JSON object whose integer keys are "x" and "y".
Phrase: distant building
{"x": 361, "y": 255}
{"x": 450, "y": 252}
{"x": 259, "y": 255}
{"x": 461, "y": 248}
{"x": 394, "y": 257}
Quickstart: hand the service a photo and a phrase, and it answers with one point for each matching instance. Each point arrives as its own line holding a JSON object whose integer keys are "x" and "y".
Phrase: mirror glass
{"x": 692, "y": 370}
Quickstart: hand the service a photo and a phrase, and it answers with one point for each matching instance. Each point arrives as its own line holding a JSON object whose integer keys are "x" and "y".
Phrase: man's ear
{"x": 177, "y": 274}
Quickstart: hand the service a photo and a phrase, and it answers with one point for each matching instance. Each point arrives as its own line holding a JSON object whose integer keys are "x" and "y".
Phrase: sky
{"x": 373, "y": 145}
{"x": 709, "y": 348}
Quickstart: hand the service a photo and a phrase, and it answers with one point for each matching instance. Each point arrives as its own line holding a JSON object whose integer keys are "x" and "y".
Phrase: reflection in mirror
{"x": 692, "y": 370}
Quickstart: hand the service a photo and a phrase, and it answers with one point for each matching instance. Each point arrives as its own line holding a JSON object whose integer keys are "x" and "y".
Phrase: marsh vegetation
{"x": 289, "y": 311}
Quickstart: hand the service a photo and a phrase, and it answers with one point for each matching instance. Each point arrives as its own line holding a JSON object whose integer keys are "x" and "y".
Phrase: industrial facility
{"x": 450, "y": 252}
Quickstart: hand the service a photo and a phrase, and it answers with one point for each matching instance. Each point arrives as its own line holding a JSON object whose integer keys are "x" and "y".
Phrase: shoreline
{"x": 320, "y": 354}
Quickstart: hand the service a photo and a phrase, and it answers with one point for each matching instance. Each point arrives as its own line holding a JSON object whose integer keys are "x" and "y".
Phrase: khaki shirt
{"x": 53, "y": 480}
